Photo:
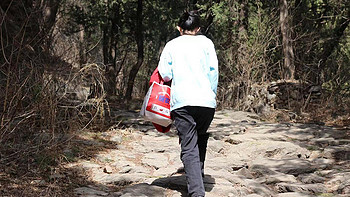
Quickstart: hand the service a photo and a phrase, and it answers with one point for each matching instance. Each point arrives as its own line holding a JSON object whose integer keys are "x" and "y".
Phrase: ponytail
{"x": 189, "y": 20}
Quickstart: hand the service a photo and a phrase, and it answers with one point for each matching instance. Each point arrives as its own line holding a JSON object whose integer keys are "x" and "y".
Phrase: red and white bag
{"x": 156, "y": 105}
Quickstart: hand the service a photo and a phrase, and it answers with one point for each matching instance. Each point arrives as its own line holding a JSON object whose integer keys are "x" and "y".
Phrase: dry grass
{"x": 33, "y": 143}
{"x": 327, "y": 111}
{"x": 331, "y": 112}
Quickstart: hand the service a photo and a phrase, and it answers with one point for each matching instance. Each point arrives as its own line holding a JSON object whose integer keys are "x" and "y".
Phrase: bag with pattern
{"x": 156, "y": 105}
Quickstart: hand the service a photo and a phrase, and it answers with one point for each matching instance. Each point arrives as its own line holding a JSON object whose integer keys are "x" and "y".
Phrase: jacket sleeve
{"x": 165, "y": 64}
{"x": 213, "y": 68}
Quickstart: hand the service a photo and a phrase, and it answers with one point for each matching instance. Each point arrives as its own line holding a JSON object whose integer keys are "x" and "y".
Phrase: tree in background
{"x": 130, "y": 32}
{"x": 288, "y": 53}
{"x": 140, "y": 50}
{"x": 321, "y": 29}
{"x": 256, "y": 41}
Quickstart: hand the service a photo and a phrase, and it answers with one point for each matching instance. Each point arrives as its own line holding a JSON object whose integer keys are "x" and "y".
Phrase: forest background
{"x": 65, "y": 65}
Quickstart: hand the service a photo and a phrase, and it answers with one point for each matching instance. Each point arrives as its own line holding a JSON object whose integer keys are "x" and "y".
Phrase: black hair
{"x": 189, "y": 20}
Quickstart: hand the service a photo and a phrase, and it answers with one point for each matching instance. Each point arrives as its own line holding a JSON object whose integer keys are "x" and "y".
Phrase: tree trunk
{"x": 289, "y": 67}
{"x": 82, "y": 47}
{"x": 243, "y": 53}
{"x": 139, "y": 41}
{"x": 243, "y": 17}
{"x": 50, "y": 12}
{"x": 110, "y": 39}
{"x": 108, "y": 62}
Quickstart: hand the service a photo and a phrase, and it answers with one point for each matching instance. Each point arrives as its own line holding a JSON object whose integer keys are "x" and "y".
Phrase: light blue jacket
{"x": 192, "y": 65}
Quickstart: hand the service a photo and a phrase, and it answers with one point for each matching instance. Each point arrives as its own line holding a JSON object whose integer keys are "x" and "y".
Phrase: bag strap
{"x": 156, "y": 77}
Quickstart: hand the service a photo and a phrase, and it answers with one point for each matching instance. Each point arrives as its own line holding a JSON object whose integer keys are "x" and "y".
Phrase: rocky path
{"x": 245, "y": 157}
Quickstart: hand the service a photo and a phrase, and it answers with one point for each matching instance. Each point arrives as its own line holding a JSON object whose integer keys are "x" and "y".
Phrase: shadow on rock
{"x": 178, "y": 183}
{"x": 209, "y": 182}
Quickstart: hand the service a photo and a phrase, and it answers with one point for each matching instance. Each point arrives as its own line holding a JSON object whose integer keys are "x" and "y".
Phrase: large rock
{"x": 277, "y": 177}
{"x": 292, "y": 194}
{"x": 142, "y": 190}
{"x": 340, "y": 153}
{"x": 286, "y": 166}
{"x": 311, "y": 178}
{"x": 262, "y": 148}
{"x": 117, "y": 179}
{"x": 155, "y": 160}
{"x": 245, "y": 157}
{"x": 339, "y": 182}
{"x": 302, "y": 188}
{"x": 87, "y": 191}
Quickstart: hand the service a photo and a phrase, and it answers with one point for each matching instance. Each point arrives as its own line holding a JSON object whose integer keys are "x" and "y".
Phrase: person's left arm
{"x": 165, "y": 65}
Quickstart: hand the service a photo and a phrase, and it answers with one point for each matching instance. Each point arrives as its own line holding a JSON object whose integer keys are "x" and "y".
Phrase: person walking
{"x": 190, "y": 63}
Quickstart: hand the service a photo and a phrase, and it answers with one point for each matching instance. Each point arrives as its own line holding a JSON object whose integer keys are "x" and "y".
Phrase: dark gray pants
{"x": 192, "y": 123}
